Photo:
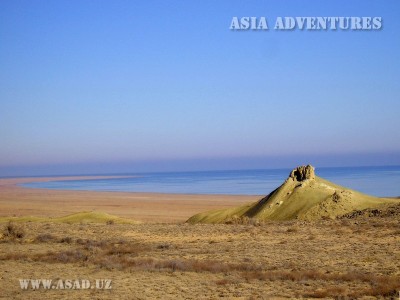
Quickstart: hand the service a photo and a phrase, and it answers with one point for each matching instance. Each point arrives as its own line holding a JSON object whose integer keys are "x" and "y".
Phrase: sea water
{"x": 377, "y": 181}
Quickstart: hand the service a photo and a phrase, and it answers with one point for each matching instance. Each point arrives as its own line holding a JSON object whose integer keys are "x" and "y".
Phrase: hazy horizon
{"x": 205, "y": 164}
{"x": 106, "y": 87}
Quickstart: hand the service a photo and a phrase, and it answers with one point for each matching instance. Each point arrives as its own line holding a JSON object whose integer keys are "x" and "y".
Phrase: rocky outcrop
{"x": 303, "y": 173}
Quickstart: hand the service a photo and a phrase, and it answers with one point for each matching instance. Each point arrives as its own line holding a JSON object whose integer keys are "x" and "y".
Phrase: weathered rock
{"x": 303, "y": 173}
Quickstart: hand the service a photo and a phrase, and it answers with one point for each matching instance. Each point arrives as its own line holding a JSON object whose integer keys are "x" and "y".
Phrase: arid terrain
{"x": 302, "y": 196}
{"x": 356, "y": 256}
{"x": 146, "y": 207}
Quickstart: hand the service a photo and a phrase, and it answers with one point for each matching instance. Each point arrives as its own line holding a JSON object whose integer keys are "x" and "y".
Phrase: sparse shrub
{"x": 244, "y": 220}
{"x": 124, "y": 249}
{"x": 122, "y": 241}
{"x": 164, "y": 246}
{"x": 223, "y": 282}
{"x": 68, "y": 256}
{"x": 385, "y": 286}
{"x": 292, "y": 229}
{"x": 381, "y": 285}
{"x": 111, "y": 262}
{"x": 145, "y": 263}
{"x": 335, "y": 291}
{"x": 14, "y": 256}
{"x": 123, "y": 262}
{"x": 233, "y": 220}
{"x": 44, "y": 238}
{"x": 90, "y": 244}
{"x": 67, "y": 240}
{"x": 13, "y": 231}
{"x": 174, "y": 264}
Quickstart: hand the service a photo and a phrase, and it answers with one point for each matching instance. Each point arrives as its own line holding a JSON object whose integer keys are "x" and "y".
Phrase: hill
{"x": 80, "y": 218}
{"x": 303, "y": 195}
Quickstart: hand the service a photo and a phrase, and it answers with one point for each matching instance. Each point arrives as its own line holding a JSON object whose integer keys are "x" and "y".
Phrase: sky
{"x": 124, "y": 86}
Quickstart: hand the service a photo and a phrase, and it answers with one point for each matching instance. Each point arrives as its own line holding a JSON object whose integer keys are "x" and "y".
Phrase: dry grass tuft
{"x": 91, "y": 244}
{"x": 235, "y": 220}
{"x": 164, "y": 246}
{"x": 123, "y": 249}
{"x": 383, "y": 285}
{"x": 13, "y": 231}
{"x": 224, "y": 282}
{"x": 387, "y": 286}
{"x": 336, "y": 292}
{"x": 68, "y": 256}
{"x": 66, "y": 240}
{"x": 292, "y": 230}
{"x": 14, "y": 256}
{"x": 45, "y": 238}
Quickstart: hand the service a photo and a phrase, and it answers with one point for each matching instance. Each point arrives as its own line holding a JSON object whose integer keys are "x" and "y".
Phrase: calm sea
{"x": 378, "y": 181}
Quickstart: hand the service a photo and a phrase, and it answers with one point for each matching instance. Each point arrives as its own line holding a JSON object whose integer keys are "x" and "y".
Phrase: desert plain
{"x": 143, "y": 245}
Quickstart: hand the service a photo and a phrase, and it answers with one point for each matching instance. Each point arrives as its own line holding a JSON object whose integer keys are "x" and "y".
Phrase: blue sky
{"x": 119, "y": 86}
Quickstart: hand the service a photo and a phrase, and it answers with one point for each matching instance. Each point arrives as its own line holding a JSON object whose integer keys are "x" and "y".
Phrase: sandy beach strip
{"x": 146, "y": 207}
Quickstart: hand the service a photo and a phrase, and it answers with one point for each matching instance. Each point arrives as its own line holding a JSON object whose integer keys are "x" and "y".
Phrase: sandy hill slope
{"x": 302, "y": 196}
{"x": 80, "y": 218}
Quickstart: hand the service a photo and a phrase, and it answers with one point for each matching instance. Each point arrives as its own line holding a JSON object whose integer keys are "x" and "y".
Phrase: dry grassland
{"x": 354, "y": 257}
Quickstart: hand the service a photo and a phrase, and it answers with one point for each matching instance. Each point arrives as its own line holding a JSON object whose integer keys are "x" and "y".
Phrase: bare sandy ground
{"x": 146, "y": 207}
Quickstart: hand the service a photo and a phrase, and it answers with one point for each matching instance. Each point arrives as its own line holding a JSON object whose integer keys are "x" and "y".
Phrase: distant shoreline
{"x": 99, "y": 177}
{"x": 147, "y": 207}
{"x": 16, "y": 200}
{"x": 375, "y": 181}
